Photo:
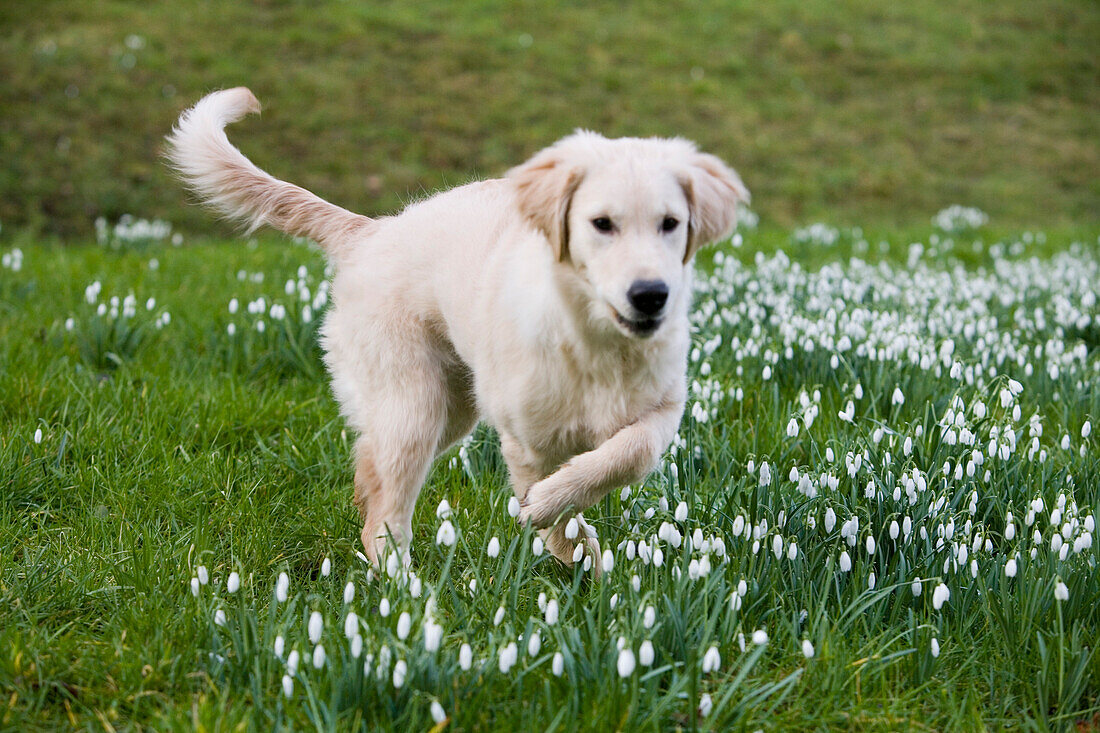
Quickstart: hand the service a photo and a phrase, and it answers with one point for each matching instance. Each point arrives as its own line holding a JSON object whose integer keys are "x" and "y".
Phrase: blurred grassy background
{"x": 864, "y": 112}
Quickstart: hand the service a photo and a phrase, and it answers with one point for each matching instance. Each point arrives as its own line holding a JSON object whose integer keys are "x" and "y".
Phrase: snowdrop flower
{"x": 38, "y": 435}
{"x": 935, "y": 646}
{"x": 513, "y": 507}
{"x": 204, "y": 576}
{"x": 219, "y": 617}
{"x": 400, "y": 671}
{"x": 626, "y": 662}
{"x": 940, "y": 595}
{"x": 557, "y": 665}
{"x": 326, "y": 567}
{"x": 705, "y": 705}
{"x": 318, "y": 657}
{"x": 465, "y": 657}
{"x": 571, "y": 529}
{"x": 356, "y": 646}
{"x": 288, "y": 685}
{"x": 681, "y": 512}
{"x": 445, "y": 535}
{"x": 534, "y": 644}
{"x": 792, "y": 428}
{"x": 499, "y": 616}
{"x": 351, "y": 625}
{"x": 807, "y": 649}
{"x": 916, "y": 587}
{"x": 316, "y": 625}
{"x": 279, "y": 645}
{"x": 1086, "y": 429}
{"x": 645, "y": 653}
{"x": 537, "y": 546}
{"x": 1061, "y": 592}
{"x": 282, "y": 587}
{"x": 494, "y": 547}
{"x": 384, "y": 607}
{"x": 433, "y": 635}
{"x": 349, "y": 593}
{"x": 551, "y": 613}
{"x": 437, "y": 712}
{"x": 765, "y": 474}
{"x": 712, "y": 660}
{"x": 870, "y": 545}
{"x": 292, "y": 663}
{"x": 830, "y": 519}
{"x": 234, "y": 583}
{"x": 760, "y": 637}
{"x": 195, "y": 587}
{"x": 898, "y": 398}
{"x": 608, "y": 562}
{"x": 404, "y": 625}
{"x": 507, "y": 657}
{"x": 1010, "y": 568}
{"x": 845, "y": 561}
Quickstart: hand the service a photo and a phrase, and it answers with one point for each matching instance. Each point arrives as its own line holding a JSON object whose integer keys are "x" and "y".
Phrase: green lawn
{"x": 864, "y": 113}
{"x": 167, "y": 449}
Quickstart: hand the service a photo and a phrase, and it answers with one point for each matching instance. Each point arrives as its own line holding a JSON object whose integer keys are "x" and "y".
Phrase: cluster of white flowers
{"x": 306, "y": 299}
{"x": 818, "y": 234}
{"x": 956, "y": 219}
{"x": 12, "y": 260}
{"x": 129, "y": 230}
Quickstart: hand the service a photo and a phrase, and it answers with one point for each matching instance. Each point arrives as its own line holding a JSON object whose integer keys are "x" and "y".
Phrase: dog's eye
{"x": 669, "y": 224}
{"x": 603, "y": 224}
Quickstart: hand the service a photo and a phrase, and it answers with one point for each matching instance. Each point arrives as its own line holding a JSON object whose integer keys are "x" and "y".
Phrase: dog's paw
{"x": 541, "y": 507}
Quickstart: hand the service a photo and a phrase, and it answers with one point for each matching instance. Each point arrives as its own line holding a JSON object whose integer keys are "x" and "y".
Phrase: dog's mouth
{"x": 641, "y": 327}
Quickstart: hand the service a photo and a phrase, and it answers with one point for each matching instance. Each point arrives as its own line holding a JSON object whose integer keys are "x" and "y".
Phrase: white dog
{"x": 552, "y": 303}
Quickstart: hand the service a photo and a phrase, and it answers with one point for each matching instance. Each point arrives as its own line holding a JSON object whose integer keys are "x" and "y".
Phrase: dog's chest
{"x": 560, "y": 410}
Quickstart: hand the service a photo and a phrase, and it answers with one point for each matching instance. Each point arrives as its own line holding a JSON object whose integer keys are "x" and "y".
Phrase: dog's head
{"x": 626, "y": 216}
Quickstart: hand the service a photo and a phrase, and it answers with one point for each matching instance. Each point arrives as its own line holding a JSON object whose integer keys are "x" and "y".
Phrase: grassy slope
{"x": 189, "y": 453}
{"x": 865, "y": 113}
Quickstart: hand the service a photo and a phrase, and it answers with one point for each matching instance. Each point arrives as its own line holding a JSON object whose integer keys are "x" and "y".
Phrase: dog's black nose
{"x": 648, "y": 296}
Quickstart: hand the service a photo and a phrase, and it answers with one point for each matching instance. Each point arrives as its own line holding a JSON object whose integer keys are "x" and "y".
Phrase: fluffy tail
{"x": 220, "y": 174}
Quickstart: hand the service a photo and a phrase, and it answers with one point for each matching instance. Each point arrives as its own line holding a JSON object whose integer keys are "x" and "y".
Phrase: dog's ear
{"x": 714, "y": 191}
{"x": 544, "y": 189}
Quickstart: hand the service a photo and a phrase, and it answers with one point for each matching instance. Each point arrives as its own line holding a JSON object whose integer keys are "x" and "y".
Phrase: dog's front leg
{"x": 627, "y": 456}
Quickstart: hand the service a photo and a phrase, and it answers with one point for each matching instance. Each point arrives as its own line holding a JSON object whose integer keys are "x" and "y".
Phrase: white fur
{"x": 498, "y": 300}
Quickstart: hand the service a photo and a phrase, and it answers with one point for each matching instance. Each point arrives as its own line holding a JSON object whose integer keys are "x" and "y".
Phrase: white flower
{"x": 465, "y": 657}
{"x": 681, "y": 514}
{"x": 280, "y": 643}
{"x": 845, "y": 561}
{"x": 195, "y": 587}
{"x": 870, "y": 545}
{"x": 507, "y": 657}
{"x": 204, "y": 576}
{"x": 351, "y": 625}
{"x": 349, "y": 593}
{"x": 807, "y": 648}
{"x": 292, "y": 662}
{"x": 433, "y": 635}
{"x": 898, "y": 398}
{"x": 326, "y": 567}
{"x": 705, "y": 705}
{"x": 916, "y": 587}
{"x": 384, "y": 607}
{"x": 649, "y": 617}
{"x": 438, "y": 713}
{"x": 1086, "y": 429}
{"x": 765, "y": 474}
{"x": 288, "y": 685}
{"x": 935, "y": 645}
{"x": 759, "y": 637}
{"x": 578, "y": 552}
{"x": 282, "y": 587}
{"x": 645, "y": 653}
{"x": 400, "y": 671}
{"x": 551, "y": 614}
{"x": 1061, "y": 592}
{"x": 318, "y": 657}
{"x": 38, "y": 435}
{"x": 316, "y": 625}
{"x": 557, "y": 665}
{"x": 626, "y": 662}
{"x": 571, "y": 529}
{"x": 513, "y": 507}
{"x": 494, "y": 547}
{"x": 404, "y": 625}
{"x": 537, "y": 546}
{"x": 940, "y": 595}
{"x": 792, "y": 428}
{"x": 712, "y": 660}
{"x": 534, "y": 644}
{"x": 445, "y": 535}
{"x": 356, "y": 646}
{"x": 219, "y": 617}
{"x": 499, "y": 616}
{"x": 1010, "y": 568}
{"x": 608, "y": 562}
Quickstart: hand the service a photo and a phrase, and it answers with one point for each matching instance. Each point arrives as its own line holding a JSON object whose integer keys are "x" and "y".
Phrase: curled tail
{"x": 220, "y": 174}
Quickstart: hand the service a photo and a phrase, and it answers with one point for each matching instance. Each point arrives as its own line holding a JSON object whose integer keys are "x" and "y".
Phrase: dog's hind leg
{"x": 403, "y": 429}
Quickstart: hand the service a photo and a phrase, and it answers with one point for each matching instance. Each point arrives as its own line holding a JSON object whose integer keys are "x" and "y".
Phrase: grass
{"x": 168, "y": 444}
{"x": 863, "y": 114}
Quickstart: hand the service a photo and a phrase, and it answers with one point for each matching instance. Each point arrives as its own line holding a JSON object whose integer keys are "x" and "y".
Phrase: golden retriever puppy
{"x": 552, "y": 303}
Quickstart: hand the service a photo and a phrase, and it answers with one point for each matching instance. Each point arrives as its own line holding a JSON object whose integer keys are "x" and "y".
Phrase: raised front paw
{"x": 542, "y": 506}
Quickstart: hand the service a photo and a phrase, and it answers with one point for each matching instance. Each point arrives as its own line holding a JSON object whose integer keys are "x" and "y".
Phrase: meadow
{"x": 878, "y": 514}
